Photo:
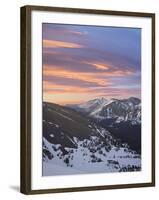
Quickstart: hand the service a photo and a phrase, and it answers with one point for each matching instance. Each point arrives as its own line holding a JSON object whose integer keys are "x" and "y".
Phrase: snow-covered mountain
{"x": 74, "y": 144}
{"x": 93, "y": 105}
{"x": 120, "y": 110}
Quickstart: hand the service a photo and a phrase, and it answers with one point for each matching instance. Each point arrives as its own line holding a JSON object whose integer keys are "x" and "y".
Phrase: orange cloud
{"x": 91, "y": 77}
{"x": 83, "y": 76}
{"x": 101, "y": 66}
{"x": 53, "y": 88}
{"x": 63, "y": 94}
{"x": 114, "y": 72}
{"x": 58, "y": 44}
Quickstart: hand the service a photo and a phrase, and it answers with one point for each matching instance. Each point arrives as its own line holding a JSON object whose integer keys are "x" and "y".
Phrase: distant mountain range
{"x": 97, "y": 136}
{"x": 118, "y": 110}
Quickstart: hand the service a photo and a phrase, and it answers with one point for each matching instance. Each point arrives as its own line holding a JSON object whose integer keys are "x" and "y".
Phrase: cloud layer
{"x": 85, "y": 62}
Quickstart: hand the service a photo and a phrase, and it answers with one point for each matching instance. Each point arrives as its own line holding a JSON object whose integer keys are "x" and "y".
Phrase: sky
{"x": 81, "y": 63}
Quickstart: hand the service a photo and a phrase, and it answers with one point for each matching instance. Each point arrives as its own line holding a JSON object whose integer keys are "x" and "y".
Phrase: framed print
{"x": 87, "y": 99}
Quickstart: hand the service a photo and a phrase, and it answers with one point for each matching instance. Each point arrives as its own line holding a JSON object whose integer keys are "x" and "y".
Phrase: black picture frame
{"x": 25, "y": 182}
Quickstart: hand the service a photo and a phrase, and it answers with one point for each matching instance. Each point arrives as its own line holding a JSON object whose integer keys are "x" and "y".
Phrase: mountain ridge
{"x": 122, "y": 109}
{"x": 79, "y": 145}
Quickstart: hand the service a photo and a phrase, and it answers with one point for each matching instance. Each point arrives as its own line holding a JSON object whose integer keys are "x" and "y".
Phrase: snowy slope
{"x": 72, "y": 144}
{"x": 90, "y": 157}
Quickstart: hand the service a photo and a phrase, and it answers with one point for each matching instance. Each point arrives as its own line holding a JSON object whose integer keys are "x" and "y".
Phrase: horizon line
{"x": 64, "y": 104}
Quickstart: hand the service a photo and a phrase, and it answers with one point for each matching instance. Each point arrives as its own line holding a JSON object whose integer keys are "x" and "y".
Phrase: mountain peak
{"x": 102, "y": 100}
{"x": 119, "y": 109}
